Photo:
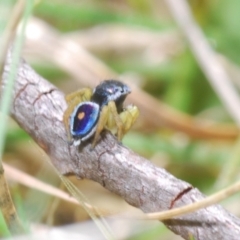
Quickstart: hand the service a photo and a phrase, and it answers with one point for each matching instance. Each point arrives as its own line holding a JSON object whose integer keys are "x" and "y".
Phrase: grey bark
{"x": 38, "y": 108}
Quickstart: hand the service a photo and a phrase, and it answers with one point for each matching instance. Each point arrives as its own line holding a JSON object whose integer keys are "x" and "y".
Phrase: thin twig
{"x": 208, "y": 201}
{"x": 31, "y": 182}
{"x": 7, "y": 207}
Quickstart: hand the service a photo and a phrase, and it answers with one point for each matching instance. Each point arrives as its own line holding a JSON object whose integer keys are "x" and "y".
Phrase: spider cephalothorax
{"x": 111, "y": 90}
{"x": 89, "y": 112}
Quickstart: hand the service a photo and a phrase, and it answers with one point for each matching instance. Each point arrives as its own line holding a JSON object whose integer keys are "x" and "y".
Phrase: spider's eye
{"x": 119, "y": 89}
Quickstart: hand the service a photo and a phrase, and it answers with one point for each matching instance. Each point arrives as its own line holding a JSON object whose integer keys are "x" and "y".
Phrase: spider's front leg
{"x": 128, "y": 117}
{"x": 109, "y": 118}
{"x": 122, "y": 121}
{"x": 73, "y": 99}
{"x": 114, "y": 120}
{"x": 101, "y": 124}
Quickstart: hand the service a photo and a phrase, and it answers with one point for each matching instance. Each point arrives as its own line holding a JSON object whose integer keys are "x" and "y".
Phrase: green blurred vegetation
{"x": 75, "y": 15}
{"x": 3, "y": 227}
{"x": 179, "y": 82}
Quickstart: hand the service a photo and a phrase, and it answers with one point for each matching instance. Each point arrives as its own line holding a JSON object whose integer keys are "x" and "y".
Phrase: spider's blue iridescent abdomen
{"x": 84, "y": 120}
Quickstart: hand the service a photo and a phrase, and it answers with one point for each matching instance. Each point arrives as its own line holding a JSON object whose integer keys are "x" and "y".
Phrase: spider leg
{"x": 83, "y": 94}
{"x": 129, "y": 117}
{"x": 117, "y": 120}
{"x": 73, "y": 99}
{"x": 101, "y": 124}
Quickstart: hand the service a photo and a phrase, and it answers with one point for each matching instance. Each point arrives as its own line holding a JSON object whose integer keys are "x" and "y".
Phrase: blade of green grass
{"x": 7, "y": 207}
{"x": 7, "y": 94}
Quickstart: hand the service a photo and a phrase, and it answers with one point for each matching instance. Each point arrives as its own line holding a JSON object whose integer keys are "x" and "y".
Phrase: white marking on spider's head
{"x": 118, "y": 91}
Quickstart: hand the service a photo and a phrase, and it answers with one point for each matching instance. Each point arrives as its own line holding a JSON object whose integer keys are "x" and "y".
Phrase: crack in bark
{"x": 16, "y": 97}
{"x": 179, "y": 196}
{"x": 43, "y": 94}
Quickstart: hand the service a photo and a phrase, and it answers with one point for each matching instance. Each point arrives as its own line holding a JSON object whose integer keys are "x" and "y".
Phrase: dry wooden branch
{"x": 38, "y": 107}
